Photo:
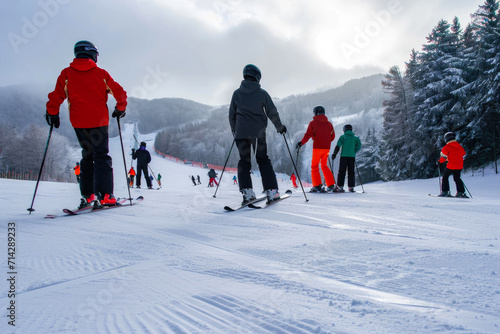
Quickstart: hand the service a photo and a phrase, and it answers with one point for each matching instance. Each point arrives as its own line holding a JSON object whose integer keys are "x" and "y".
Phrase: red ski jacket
{"x": 455, "y": 154}
{"x": 321, "y": 131}
{"x": 86, "y": 87}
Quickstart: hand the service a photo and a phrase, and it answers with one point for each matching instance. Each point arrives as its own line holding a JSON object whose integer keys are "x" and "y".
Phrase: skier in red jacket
{"x": 452, "y": 153}
{"x": 320, "y": 129}
{"x": 294, "y": 180}
{"x": 86, "y": 87}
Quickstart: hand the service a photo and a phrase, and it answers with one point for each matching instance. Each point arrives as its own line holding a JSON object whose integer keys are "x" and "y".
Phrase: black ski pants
{"x": 456, "y": 177}
{"x": 346, "y": 163}
{"x": 96, "y": 167}
{"x": 143, "y": 169}
{"x": 259, "y": 146}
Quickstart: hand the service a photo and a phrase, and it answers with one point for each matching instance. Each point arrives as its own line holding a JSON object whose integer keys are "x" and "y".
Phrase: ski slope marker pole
{"x": 124, "y": 161}
{"x": 224, "y": 168}
{"x": 41, "y": 168}
{"x": 359, "y": 175}
{"x": 295, "y": 167}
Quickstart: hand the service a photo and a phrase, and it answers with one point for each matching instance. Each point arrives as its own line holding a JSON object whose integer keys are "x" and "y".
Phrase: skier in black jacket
{"x": 249, "y": 110}
{"x": 143, "y": 159}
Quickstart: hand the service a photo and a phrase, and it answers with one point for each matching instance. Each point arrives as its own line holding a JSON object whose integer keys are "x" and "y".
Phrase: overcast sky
{"x": 196, "y": 49}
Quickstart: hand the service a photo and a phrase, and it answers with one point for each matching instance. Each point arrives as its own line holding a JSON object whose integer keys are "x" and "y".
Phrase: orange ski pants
{"x": 320, "y": 157}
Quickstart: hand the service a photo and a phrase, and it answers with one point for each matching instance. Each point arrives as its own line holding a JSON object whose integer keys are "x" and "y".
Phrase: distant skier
{"x": 453, "y": 155}
{"x": 350, "y": 145}
{"x": 321, "y": 131}
{"x": 235, "y": 180}
{"x": 249, "y": 111}
{"x": 159, "y": 180}
{"x": 212, "y": 175}
{"x": 143, "y": 159}
{"x": 193, "y": 179}
{"x": 131, "y": 175}
{"x": 294, "y": 180}
{"x": 86, "y": 87}
{"x": 77, "y": 172}
{"x": 198, "y": 178}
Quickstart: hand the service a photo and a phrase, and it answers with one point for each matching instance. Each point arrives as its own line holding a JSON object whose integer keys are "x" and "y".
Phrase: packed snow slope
{"x": 391, "y": 260}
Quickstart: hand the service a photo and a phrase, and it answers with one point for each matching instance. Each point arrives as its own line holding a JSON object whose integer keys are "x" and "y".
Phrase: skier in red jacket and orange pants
{"x": 86, "y": 87}
{"x": 320, "y": 129}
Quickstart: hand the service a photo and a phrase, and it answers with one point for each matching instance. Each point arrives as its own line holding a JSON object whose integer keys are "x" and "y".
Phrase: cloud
{"x": 196, "y": 49}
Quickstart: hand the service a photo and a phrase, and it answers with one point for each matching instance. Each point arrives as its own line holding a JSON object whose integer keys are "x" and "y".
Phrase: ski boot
{"x": 340, "y": 189}
{"x": 351, "y": 190}
{"x": 272, "y": 195}
{"x": 461, "y": 195}
{"x": 317, "y": 189}
{"x": 108, "y": 200}
{"x": 332, "y": 189}
{"x": 248, "y": 195}
{"x": 445, "y": 194}
{"x": 86, "y": 201}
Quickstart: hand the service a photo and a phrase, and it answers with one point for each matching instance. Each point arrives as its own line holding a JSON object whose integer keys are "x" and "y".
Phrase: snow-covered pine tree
{"x": 437, "y": 108}
{"x": 368, "y": 157}
{"x": 481, "y": 135}
{"x": 398, "y": 128}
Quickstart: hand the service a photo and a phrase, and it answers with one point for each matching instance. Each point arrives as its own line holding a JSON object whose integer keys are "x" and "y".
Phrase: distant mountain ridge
{"x": 22, "y": 105}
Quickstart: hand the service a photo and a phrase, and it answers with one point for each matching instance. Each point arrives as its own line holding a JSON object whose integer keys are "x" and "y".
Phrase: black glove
{"x": 118, "y": 113}
{"x": 52, "y": 120}
{"x": 334, "y": 155}
{"x": 299, "y": 144}
{"x": 283, "y": 130}
{"x": 133, "y": 150}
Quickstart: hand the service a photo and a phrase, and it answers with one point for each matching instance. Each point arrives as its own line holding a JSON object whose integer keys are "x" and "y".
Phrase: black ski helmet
{"x": 252, "y": 71}
{"x": 347, "y": 127}
{"x": 449, "y": 136}
{"x": 86, "y": 49}
{"x": 143, "y": 143}
{"x": 318, "y": 110}
{"x": 77, "y": 163}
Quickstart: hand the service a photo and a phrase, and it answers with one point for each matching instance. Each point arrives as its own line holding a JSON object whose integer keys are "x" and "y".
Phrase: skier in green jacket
{"x": 350, "y": 145}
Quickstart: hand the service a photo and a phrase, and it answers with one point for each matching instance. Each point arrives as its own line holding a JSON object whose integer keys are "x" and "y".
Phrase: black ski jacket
{"x": 143, "y": 157}
{"x": 249, "y": 110}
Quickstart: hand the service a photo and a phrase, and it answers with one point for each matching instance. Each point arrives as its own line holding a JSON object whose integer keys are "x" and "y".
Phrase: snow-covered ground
{"x": 392, "y": 260}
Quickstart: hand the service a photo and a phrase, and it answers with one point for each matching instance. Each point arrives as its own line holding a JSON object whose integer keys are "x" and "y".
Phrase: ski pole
{"x": 41, "y": 168}
{"x": 149, "y": 166}
{"x": 439, "y": 178}
{"x": 223, "y": 168}
{"x": 359, "y": 176}
{"x": 466, "y": 187}
{"x": 295, "y": 167}
{"x": 332, "y": 165}
{"x": 124, "y": 161}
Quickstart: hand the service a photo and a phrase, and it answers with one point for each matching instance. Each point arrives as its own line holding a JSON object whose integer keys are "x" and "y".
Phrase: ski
{"x": 448, "y": 196}
{"x": 347, "y": 192}
{"x": 287, "y": 194}
{"x": 337, "y": 192}
{"x": 257, "y": 200}
{"x": 121, "y": 203}
{"x": 88, "y": 209}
